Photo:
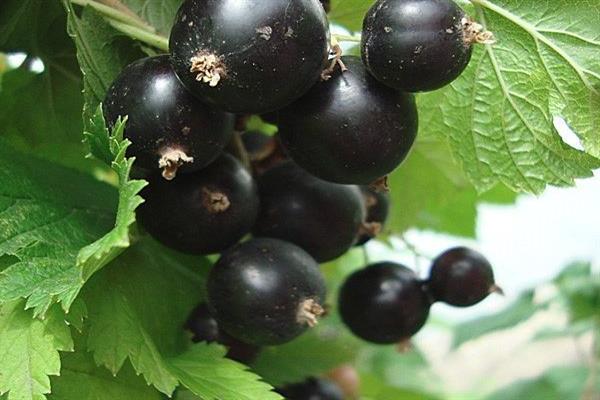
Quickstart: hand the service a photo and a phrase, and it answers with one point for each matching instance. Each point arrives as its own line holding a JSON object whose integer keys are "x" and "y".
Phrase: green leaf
{"x": 145, "y": 296}
{"x": 29, "y": 351}
{"x": 159, "y": 13}
{"x": 519, "y": 311}
{"x": 111, "y": 148}
{"x": 81, "y": 379}
{"x": 47, "y": 214}
{"x": 349, "y": 13}
{"x": 499, "y": 115}
{"x": 313, "y": 354}
{"x": 205, "y": 371}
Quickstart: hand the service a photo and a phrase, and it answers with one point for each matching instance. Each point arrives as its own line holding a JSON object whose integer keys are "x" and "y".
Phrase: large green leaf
{"x": 158, "y": 13}
{"x": 499, "y": 115}
{"x": 29, "y": 351}
{"x": 47, "y": 214}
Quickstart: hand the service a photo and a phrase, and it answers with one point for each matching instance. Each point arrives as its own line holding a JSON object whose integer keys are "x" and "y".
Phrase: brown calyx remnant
{"x": 380, "y": 184}
{"x": 214, "y": 201}
{"x": 496, "y": 289}
{"x": 404, "y": 346}
{"x": 309, "y": 312}
{"x": 476, "y": 33}
{"x": 208, "y": 68}
{"x": 370, "y": 229}
{"x": 336, "y": 51}
{"x": 170, "y": 161}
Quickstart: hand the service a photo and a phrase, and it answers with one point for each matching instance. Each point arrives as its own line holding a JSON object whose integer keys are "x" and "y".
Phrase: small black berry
{"x": 266, "y": 291}
{"x": 251, "y": 56}
{"x": 312, "y": 389}
{"x": 323, "y": 218}
{"x": 384, "y": 303}
{"x": 168, "y": 128}
{"x": 349, "y": 129}
{"x": 461, "y": 277}
{"x": 416, "y": 45}
{"x": 203, "y": 212}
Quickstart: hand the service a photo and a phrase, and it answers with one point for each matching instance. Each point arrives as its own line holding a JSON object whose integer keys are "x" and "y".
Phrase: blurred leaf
{"x": 312, "y": 354}
{"x": 349, "y": 13}
{"x": 581, "y": 291}
{"x": 556, "y": 383}
{"x": 145, "y": 295}
{"x": 205, "y": 372}
{"x": 517, "y": 312}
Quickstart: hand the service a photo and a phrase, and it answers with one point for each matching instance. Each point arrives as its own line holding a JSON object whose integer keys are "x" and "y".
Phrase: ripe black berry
{"x": 266, "y": 291}
{"x": 350, "y": 128}
{"x": 384, "y": 303}
{"x": 461, "y": 277}
{"x": 378, "y": 206}
{"x": 204, "y": 212}
{"x": 312, "y": 389}
{"x": 323, "y": 218}
{"x": 250, "y": 56}
{"x": 416, "y": 45}
{"x": 204, "y": 328}
{"x": 168, "y": 128}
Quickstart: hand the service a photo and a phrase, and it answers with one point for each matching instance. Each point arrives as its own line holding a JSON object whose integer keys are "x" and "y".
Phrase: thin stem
{"x": 115, "y": 14}
{"x": 239, "y": 150}
{"x": 152, "y": 39}
{"x": 346, "y": 38}
{"x": 118, "y": 5}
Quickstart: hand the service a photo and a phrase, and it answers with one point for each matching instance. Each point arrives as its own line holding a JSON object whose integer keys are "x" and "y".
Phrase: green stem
{"x": 114, "y": 14}
{"x": 346, "y": 38}
{"x": 152, "y": 39}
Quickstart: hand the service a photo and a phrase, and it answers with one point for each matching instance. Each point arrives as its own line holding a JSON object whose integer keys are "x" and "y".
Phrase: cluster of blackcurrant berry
{"x": 310, "y": 193}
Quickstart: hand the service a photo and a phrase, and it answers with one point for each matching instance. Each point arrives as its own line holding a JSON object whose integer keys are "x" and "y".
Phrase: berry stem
{"x": 239, "y": 151}
{"x": 346, "y": 38}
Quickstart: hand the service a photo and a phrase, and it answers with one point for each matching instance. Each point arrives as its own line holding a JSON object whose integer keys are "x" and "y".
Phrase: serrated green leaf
{"x": 47, "y": 213}
{"x": 137, "y": 307}
{"x": 159, "y": 13}
{"x": 204, "y": 370}
{"x": 111, "y": 148}
{"x": 29, "y": 351}
{"x": 313, "y": 354}
{"x": 81, "y": 379}
{"x": 499, "y": 115}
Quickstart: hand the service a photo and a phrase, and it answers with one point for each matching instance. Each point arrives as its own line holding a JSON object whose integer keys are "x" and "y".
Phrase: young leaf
{"x": 29, "y": 351}
{"x": 48, "y": 214}
{"x": 81, "y": 379}
{"x": 500, "y": 115}
{"x": 145, "y": 296}
{"x": 204, "y": 370}
{"x": 111, "y": 148}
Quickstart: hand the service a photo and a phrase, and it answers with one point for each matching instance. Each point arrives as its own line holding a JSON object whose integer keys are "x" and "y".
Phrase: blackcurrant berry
{"x": 203, "y": 212}
{"x": 263, "y": 150}
{"x": 416, "y": 45}
{"x": 461, "y": 277}
{"x": 350, "y": 128}
{"x": 384, "y": 303}
{"x": 204, "y": 328}
{"x": 266, "y": 291}
{"x": 323, "y": 218}
{"x": 250, "y": 56}
{"x": 312, "y": 389}
{"x": 378, "y": 206}
{"x": 168, "y": 127}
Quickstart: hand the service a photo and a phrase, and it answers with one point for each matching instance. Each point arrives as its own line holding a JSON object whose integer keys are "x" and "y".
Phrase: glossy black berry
{"x": 204, "y": 328}
{"x": 350, "y": 128}
{"x": 251, "y": 56}
{"x": 377, "y": 203}
{"x": 312, "y": 389}
{"x": 323, "y": 218}
{"x": 415, "y": 45}
{"x": 461, "y": 277}
{"x": 266, "y": 291}
{"x": 203, "y": 212}
{"x": 384, "y": 303}
{"x": 168, "y": 128}
{"x": 264, "y": 151}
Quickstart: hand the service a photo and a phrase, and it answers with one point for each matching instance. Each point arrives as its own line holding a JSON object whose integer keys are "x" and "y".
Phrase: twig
{"x": 239, "y": 150}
